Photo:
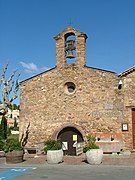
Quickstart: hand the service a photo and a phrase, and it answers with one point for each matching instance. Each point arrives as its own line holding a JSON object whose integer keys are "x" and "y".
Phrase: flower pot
{"x": 14, "y": 157}
{"x": 54, "y": 156}
{"x": 94, "y": 156}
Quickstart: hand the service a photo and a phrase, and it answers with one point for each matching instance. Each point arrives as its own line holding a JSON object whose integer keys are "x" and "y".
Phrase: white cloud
{"x": 32, "y": 68}
{"x": 44, "y": 68}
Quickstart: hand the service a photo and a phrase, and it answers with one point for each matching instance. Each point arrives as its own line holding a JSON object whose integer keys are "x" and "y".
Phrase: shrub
{"x": 8, "y": 131}
{"x": 52, "y": 145}
{"x": 14, "y": 128}
{"x": 12, "y": 144}
{"x": 90, "y": 144}
{"x": 1, "y": 132}
{"x": 14, "y": 136}
{"x": 1, "y": 145}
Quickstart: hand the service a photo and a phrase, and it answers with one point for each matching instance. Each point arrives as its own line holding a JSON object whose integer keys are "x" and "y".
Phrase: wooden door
{"x": 69, "y": 136}
{"x": 133, "y": 127}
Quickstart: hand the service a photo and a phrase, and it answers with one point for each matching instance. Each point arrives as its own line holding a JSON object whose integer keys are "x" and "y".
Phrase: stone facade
{"x": 95, "y": 103}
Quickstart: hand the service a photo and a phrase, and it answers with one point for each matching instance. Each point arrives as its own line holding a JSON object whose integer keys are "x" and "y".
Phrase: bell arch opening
{"x": 70, "y": 48}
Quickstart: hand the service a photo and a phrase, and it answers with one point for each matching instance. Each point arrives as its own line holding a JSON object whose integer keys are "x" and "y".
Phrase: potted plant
{"x": 54, "y": 151}
{"x": 14, "y": 151}
{"x": 94, "y": 154}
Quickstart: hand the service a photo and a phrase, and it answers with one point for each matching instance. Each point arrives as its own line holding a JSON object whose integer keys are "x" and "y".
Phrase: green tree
{"x": 14, "y": 107}
{"x": 1, "y": 133}
{"x": 15, "y": 123}
{"x": 18, "y": 107}
{"x": 4, "y": 128}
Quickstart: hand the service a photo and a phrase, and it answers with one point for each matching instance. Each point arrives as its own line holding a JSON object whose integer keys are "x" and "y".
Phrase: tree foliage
{"x": 9, "y": 88}
{"x": 3, "y": 128}
{"x": 14, "y": 107}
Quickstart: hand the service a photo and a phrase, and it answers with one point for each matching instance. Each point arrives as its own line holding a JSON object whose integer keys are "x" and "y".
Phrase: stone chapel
{"x": 72, "y": 100}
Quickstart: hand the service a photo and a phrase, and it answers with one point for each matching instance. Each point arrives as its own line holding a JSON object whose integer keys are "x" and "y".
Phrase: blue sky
{"x": 27, "y": 28}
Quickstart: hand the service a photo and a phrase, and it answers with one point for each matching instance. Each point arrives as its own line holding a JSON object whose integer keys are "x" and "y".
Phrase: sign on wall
{"x": 74, "y": 137}
{"x": 65, "y": 146}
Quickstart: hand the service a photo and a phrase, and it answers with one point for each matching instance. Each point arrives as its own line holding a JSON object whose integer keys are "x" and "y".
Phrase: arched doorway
{"x": 69, "y": 136}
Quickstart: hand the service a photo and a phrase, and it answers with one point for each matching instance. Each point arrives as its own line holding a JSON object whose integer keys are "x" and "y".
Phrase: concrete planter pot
{"x": 94, "y": 156}
{"x": 14, "y": 157}
{"x": 54, "y": 156}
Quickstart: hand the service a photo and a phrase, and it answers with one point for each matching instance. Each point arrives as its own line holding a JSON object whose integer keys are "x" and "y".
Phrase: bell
{"x": 70, "y": 54}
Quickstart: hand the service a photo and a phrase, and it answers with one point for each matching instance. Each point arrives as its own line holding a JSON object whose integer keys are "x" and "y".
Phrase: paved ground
{"x": 80, "y": 160}
{"x": 78, "y": 172}
{"x": 74, "y": 167}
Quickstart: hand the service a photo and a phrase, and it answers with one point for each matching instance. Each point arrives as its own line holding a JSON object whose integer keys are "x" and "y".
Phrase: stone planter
{"x": 14, "y": 157}
{"x": 94, "y": 156}
{"x": 54, "y": 156}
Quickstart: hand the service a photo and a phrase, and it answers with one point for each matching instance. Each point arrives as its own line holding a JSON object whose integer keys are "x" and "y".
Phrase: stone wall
{"x": 95, "y": 106}
{"x": 129, "y": 89}
{"x": 129, "y": 102}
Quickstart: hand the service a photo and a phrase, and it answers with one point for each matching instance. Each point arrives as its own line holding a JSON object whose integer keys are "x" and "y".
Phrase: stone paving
{"x": 127, "y": 160}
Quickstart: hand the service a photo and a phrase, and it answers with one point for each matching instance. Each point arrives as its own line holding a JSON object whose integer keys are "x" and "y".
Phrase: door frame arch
{"x": 59, "y": 129}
